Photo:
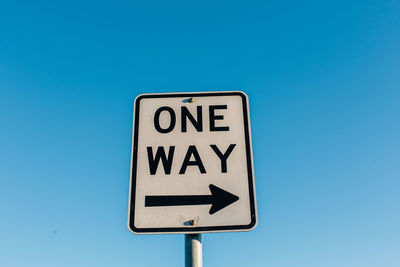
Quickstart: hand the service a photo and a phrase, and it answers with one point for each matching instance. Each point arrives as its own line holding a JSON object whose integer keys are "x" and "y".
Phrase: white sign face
{"x": 191, "y": 169}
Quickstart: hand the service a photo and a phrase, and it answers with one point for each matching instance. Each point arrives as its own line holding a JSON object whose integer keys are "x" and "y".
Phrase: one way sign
{"x": 191, "y": 167}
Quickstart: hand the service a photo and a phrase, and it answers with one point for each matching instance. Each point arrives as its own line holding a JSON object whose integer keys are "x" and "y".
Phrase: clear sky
{"x": 323, "y": 79}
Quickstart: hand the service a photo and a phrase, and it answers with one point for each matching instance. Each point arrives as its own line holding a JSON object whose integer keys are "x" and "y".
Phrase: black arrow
{"x": 218, "y": 199}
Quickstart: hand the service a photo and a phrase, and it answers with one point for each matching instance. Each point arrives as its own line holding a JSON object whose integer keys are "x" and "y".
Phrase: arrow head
{"x": 220, "y": 198}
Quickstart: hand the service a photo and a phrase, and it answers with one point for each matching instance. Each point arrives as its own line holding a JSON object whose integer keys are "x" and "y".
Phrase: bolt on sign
{"x": 191, "y": 167}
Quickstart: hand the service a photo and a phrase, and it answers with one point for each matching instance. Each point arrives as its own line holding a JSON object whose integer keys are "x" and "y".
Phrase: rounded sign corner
{"x": 242, "y": 94}
{"x": 253, "y": 224}
{"x": 133, "y": 229}
{"x": 138, "y": 98}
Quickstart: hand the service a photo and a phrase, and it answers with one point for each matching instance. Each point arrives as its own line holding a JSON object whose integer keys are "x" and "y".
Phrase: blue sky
{"x": 324, "y": 87}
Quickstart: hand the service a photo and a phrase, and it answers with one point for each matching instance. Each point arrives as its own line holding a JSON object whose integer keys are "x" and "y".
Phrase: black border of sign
{"x": 191, "y": 229}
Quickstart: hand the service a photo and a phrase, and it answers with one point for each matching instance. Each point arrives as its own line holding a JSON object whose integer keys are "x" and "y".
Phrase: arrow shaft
{"x": 159, "y": 201}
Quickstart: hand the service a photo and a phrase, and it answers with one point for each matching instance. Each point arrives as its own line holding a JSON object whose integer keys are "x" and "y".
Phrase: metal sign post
{"x": 193, "y": 250}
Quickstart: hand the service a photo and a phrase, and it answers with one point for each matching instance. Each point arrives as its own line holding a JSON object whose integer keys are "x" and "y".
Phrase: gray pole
{"x": 193, "y": 251}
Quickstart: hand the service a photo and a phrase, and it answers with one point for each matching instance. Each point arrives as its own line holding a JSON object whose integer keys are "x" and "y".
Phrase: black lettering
{"x": 157, "y": 119}
{"x": 214, "y": 117}
{"x": 160, "y": 154}
{"x": 223, "y": 157}
{"x": 196, "y": 162}
{"x": 197, "y": 124}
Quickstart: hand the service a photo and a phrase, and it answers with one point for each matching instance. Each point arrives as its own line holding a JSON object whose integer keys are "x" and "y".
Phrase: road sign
{"x": 191, "y": 167}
